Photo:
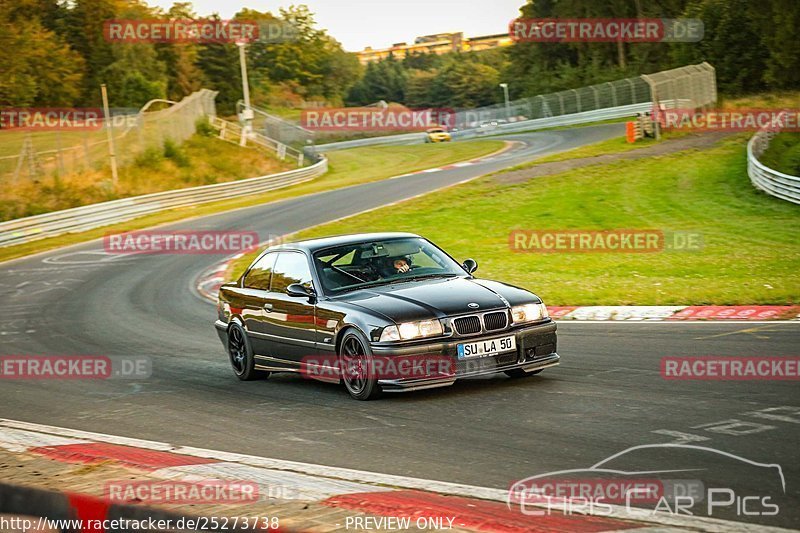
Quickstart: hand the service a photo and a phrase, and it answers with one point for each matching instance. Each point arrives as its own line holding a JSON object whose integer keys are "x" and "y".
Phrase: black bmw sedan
{"x": 380, "y": 312}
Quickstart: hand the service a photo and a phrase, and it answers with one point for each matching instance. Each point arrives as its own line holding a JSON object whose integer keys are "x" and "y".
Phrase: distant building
{"x": 439, "y": 43}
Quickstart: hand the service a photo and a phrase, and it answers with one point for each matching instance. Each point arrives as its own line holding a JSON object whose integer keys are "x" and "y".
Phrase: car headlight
{"x": 528, "y": 313}
{"x": 412, "y": 330}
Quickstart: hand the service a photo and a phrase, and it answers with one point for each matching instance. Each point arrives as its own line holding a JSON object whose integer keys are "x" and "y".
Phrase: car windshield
{"x": 374, "y": 263}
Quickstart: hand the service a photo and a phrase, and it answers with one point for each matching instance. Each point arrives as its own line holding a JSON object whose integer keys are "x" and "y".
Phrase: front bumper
{"x": 536, "y": 350}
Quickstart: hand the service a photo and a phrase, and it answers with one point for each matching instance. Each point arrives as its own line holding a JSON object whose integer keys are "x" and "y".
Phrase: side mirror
{"x": 470, "y": 265}
{"x": 299, "y": 291}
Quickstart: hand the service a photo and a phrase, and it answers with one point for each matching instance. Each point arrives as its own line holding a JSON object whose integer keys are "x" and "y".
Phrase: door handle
{"x": 268, "y": 308}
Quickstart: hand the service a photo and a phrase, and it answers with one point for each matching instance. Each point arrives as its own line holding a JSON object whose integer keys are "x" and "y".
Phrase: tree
{"x": 38, "y": 67}
{"x": 135, "y": 77}
{"x": 418, "y": 89}
{"x": 180, "y": 59}
{"x": 465, "y": 84}
{"x": 779, "y": 28}
{"x": 220, "y": 65}
{"x": 383, "y": 80}
{"x": 732, "y": 43}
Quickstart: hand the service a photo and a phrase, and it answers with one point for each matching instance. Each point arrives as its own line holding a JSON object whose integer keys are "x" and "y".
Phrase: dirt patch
{"x": 665, "y": 147}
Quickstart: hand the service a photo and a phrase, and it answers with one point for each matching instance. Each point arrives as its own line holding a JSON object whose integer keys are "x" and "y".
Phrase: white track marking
{"x": 86, "y": 435}
{"x": 17, "y": 440}
{"x": 282, "y": 484}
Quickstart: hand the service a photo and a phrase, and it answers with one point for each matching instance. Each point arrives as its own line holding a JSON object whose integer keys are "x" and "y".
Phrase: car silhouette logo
{"x": 473, "y": 305}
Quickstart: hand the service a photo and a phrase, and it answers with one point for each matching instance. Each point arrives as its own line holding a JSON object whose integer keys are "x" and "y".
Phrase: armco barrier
{"x": 780, "y": 185}
{"x": 87, "y": 217}
{"x": 511, "y": 127}
{"x": 571, "y": 119}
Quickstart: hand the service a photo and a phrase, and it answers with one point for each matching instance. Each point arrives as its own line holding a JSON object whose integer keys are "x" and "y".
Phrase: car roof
{"x": 312, "y": 245}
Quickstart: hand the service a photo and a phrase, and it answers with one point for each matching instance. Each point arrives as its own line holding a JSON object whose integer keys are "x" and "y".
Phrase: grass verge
{"x": 201, "y": 160}
{"x": 783, "y": 154}
{"x": 347, "y": 167}
{"x": 750, "y": 246}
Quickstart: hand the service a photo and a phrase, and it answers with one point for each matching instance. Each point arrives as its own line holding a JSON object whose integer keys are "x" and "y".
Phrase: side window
{"x": 291, "y": 267}
{"x": 259, "y": 276}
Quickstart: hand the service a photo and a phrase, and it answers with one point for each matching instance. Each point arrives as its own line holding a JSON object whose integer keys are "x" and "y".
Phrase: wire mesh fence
{"x": 692, "y": 86}
{"x": 277, "y": 128}
{"x": 30, "y": 154}
{"x": 235, "y": 133}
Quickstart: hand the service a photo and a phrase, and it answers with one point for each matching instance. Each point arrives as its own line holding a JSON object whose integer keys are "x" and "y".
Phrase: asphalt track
{"x": 607, "y": 396}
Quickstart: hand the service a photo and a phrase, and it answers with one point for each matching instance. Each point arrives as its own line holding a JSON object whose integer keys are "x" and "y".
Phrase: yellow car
{"x": 437, "y": 135}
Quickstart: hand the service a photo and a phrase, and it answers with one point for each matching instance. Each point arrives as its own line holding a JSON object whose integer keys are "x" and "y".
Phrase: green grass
{"x": 347, "y": 167}
{"x": 198, "y": 161}
{"x": 783, "y": 154}
{"x": 750, "y": 253}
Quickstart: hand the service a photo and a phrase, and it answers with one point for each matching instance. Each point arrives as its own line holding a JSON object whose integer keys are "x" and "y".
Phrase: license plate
{"x": 487, "y": 347}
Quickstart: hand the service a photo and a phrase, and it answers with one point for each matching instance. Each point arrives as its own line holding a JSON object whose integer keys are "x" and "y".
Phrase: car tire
{"x": 354, "y": 353}
{"x": 517, "y": 373}
{"x": 240, "y": 354}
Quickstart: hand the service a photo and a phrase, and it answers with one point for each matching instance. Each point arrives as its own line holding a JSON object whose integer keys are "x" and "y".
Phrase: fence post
{"x": 109, "y": 135}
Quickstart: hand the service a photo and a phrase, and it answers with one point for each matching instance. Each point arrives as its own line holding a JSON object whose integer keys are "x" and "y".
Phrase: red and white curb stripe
{"x": 211, "y": 280}
{"x": 676, "y": 312}
{"x": 474, "y": 508}
{"x": 446, "y": 167}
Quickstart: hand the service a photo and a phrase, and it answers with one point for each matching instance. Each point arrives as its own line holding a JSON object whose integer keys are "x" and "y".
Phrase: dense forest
{"x": 55, "y": 54}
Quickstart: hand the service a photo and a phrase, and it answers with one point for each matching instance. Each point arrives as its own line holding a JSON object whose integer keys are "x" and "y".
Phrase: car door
{"x": 254, "y": 295}
{"x": 289, "y": 320}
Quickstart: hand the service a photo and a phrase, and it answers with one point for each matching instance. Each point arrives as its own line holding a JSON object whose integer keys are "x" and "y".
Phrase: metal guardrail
{"x": 780, "y": 185}
{"x": 87, "y": 217}
{"x": 571, "y": 119}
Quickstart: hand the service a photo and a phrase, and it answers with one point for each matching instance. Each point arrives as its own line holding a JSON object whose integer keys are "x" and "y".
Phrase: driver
{"x": 401, "y": 265}
{"x": 392, "y": 266}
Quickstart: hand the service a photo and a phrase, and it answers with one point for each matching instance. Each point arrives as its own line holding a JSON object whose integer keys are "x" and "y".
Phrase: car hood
{"x": 417, "y": 300}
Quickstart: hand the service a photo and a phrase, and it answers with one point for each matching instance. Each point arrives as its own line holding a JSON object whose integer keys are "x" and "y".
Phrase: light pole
{"x": 247, "y": 113}
{"x": 508, "y": 105}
